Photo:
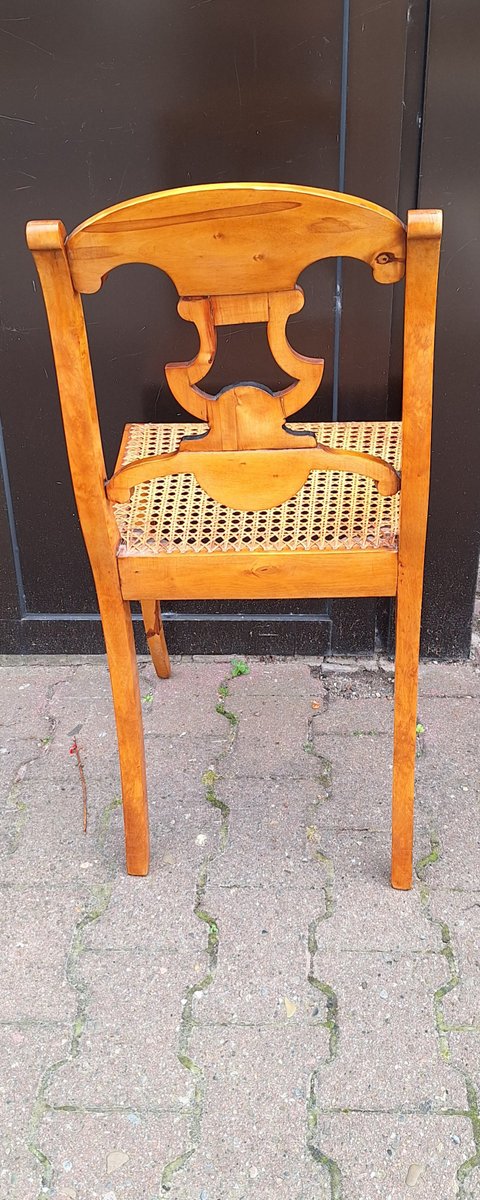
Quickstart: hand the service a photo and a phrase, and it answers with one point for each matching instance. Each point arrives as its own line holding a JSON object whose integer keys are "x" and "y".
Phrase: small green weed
{"x": 239, "y": 667}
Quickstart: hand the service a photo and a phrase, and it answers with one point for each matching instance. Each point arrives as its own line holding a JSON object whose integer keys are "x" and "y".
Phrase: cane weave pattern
{"x": 334, "y": 510}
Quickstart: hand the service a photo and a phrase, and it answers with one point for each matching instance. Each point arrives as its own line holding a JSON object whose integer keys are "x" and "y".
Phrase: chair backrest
{"x": 235, "y": 239}
{"x": 234, "y": 253}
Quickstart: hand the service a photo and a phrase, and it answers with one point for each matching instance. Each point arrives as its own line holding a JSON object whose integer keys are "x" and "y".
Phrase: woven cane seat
{"x": 334, "y": 510}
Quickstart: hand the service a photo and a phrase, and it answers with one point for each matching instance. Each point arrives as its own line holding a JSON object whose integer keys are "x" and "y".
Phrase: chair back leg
{"x": 409, "y": 607}
{"x": 118, "y": 632}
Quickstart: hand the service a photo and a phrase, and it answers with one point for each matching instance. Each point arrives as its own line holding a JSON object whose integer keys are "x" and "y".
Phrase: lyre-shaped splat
{"x": 245, "y": 417}
{"x": 241, "y": 461}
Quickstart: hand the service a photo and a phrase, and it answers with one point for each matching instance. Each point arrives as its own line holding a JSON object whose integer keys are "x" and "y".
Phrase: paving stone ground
{"x": 262, "y": 1016}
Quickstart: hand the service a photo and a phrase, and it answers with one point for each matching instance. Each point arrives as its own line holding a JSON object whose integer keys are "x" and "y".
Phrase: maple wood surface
{"x": 230, "y": 239}
{"x": 255, "y": 479}
{"x": 260, "y": 576}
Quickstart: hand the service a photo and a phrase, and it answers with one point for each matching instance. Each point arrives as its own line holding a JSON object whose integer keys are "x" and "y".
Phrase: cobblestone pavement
{"x": 262, "y": 1016}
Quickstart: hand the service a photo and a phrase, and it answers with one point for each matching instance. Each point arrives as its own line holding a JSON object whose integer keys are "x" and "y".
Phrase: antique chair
{"x": 247, "y": 504}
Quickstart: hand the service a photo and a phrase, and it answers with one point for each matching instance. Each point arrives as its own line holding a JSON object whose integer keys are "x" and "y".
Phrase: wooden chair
{"x": 247, "y": 504}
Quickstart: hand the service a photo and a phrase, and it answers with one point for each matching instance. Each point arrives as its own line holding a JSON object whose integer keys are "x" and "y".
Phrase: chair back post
{"x": 46, "y": 240}
{"x": 424, "y": 232}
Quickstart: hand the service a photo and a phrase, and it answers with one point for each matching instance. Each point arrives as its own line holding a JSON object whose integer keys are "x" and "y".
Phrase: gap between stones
{"x": 187, "y": 1023}
{"x": 20, "y": 808}
{"x": 313, "y": 838}
{"x": 442, "y": 1028}
{"x": 95, "y": 908}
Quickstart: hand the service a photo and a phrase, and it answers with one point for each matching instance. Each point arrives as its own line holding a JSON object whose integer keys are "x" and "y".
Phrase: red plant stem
{"x": 75, "y": 750}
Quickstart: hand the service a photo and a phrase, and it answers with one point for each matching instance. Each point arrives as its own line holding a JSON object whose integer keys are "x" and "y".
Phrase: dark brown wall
{"x": 450, "y": 169}
{"x": 107, "y": 100}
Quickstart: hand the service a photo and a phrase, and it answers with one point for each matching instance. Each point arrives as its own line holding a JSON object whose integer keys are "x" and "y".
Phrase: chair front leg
{"x": 152, "y": 620}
